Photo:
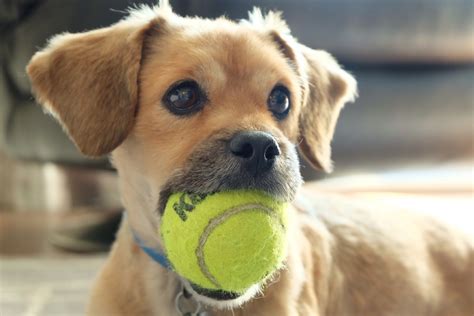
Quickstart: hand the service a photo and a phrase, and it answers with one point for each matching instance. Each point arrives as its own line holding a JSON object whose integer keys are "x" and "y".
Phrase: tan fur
{"x": 330, "y": 88}
{"x": 89, "y": 82}
{"x": 106, "y": 87}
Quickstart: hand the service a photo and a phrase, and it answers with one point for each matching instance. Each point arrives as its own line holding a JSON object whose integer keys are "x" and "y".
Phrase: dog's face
{"x": 194, "y": 105}
{"x": 218, "y": 110}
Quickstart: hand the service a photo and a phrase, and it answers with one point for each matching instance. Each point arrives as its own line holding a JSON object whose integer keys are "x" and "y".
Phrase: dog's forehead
{"x": 221, "y": 54}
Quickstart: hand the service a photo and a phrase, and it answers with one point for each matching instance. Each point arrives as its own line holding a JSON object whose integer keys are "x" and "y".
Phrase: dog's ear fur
{"x": 88, "y": 81}
{"x": 326, "y": 87}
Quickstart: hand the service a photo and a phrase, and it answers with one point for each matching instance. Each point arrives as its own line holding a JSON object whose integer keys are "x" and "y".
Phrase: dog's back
{"x": 393, "y": 261}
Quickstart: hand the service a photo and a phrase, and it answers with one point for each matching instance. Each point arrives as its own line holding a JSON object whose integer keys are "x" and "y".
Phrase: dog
{"x": 198, "y": 105}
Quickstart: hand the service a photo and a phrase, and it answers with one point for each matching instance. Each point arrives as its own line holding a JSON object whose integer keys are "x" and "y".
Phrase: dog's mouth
{"x": 212, "y": 169}
{"x": 218, "y": 295}
{"x": 220, "y": 298}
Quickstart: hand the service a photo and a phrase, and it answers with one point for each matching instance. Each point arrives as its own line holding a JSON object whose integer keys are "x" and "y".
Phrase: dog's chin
{"x": 221, "y": 299}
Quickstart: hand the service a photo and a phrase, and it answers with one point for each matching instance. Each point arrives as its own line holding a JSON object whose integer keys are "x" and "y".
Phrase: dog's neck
{"x": 156, "y": 286}
{"x": 140, "y": 202}
{"x": 165, "y": 284}
{"x": 156, "y": 254}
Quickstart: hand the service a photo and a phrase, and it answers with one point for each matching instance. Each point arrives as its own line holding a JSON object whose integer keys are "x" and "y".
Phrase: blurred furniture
{"x": 48, "y": 173}
{"x": 413, "y": 60}
{"x": 414, "y": 63}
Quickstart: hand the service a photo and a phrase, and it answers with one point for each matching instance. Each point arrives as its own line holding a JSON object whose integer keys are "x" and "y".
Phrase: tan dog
{"x": 207, "y": 105}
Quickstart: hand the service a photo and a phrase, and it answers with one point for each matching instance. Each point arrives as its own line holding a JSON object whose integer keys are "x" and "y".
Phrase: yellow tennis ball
{"x": 229, "y": 240}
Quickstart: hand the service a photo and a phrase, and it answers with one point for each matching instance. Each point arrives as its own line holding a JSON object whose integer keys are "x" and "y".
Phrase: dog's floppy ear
{"x": 88, "y": 81}
{"x": 328, "y": 87}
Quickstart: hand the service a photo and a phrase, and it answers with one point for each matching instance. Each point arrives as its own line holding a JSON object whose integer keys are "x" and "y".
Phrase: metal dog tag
{"x": 184, "y": 301}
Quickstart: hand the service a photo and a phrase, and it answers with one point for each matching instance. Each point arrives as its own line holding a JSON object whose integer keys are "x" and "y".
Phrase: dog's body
{"x": 343, "y": 261}
{"x": 193, "y": 105}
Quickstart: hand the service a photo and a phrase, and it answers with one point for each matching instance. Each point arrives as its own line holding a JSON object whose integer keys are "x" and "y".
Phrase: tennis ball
{"x": 228, "y": 241}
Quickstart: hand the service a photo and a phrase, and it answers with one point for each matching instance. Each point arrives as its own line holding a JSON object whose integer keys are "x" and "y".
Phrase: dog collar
{"x": 156, "y": 255}
{"x": 183, "y": 297}
{"x": 183, "y": 300}
{"x": 153, "y": 253}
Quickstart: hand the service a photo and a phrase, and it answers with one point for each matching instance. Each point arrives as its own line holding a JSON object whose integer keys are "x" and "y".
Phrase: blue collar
{"x": 156, "y": 255}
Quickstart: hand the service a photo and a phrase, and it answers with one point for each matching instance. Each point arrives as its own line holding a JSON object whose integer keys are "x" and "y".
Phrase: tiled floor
{"x": 35, "y": 278}
{"x": 46, "y": 286}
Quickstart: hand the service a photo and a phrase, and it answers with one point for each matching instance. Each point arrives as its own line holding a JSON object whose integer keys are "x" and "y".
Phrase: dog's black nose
{"x": 257, "y": 149}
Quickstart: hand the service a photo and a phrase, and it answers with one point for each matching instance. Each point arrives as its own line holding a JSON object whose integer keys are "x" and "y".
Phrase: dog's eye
{"x": 184, "y": 97}
{"x": 279, "y": 102}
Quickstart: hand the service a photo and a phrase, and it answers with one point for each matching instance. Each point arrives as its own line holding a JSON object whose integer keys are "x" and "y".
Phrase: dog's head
{"x": 194, "y": 105}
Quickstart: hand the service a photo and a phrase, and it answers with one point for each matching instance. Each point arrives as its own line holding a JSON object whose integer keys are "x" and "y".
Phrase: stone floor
{"x": 37, "y": 279}
{"x": 46, "y": 286}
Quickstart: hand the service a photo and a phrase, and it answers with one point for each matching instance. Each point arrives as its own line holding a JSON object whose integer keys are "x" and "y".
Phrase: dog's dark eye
{"x": 185, "y": 97}
{"x": 279, "y": 102}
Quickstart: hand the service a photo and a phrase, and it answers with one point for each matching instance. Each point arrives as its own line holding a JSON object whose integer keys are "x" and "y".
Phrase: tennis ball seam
{"x": 221, "y": 218}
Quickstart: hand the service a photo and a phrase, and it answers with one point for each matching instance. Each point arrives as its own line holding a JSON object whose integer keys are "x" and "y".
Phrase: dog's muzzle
{"x": 248, "y": 160}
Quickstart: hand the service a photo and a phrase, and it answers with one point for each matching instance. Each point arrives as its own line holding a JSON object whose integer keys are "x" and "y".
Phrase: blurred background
{"x": 407, "y": 140}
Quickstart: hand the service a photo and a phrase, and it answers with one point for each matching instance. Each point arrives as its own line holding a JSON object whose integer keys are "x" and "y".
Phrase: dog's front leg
{"x": 131, "y": 284}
